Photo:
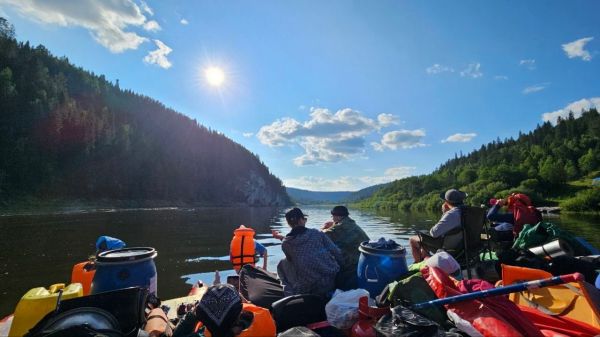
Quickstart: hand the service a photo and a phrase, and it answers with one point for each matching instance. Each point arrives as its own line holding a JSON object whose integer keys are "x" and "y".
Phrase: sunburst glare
{"x": 214, "y": 76}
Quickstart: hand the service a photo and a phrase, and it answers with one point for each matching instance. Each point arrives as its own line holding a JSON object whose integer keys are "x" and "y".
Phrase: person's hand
{"x": 328, "y": 224}
{"x": 276, "y": 234}
{"x": 500, "y": 202}
{"x": 445, "y": 207}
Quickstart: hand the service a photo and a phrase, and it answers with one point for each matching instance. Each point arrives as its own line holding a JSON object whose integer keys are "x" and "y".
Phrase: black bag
{"x": 126, "y": 305}
{"x": 298, "y": 310}
{"x": 403, "y": 322}
{"x": 259, "y": 287}
{"x": 79, "y": 322}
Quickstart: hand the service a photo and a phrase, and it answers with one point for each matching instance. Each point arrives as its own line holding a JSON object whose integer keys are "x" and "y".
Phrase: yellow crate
{"x": 38, "y": 302}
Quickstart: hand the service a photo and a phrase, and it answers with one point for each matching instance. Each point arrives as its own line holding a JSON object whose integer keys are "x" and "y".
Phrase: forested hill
{"x": 66, "y": 133}
{"x": 552, "y": 164}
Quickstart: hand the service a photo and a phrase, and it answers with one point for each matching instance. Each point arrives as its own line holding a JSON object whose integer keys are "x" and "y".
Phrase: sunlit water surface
{"x": 39, "y": 250}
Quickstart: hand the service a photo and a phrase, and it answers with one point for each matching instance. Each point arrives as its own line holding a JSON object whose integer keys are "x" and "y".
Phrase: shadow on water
{"x": 39, "y": 250}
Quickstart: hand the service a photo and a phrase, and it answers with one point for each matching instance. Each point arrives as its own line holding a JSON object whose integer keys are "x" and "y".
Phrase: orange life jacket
{"x": 262, "y": 324}
{"x": 84, "y": 273}
{"x": 242, "y": 249}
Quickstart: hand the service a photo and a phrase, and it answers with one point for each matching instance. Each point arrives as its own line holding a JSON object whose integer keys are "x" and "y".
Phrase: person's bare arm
{"x": 265, "y": 257}
{"x": 276, "y": 234}
{"x": 328, "y": 224}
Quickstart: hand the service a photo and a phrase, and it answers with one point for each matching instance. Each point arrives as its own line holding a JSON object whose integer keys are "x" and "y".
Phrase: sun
{"x": 214, "y": 76}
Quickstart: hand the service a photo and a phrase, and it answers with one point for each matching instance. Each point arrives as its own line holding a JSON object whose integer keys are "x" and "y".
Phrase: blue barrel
{"x": 378, "y": 267}
{"x": 124, "y": 268}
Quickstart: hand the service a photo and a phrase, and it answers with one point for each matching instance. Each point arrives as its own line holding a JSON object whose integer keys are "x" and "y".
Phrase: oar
{"x": 503, "y": 290}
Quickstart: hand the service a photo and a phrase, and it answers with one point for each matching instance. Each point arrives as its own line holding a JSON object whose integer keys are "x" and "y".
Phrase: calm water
{"x": 39, "y": 250}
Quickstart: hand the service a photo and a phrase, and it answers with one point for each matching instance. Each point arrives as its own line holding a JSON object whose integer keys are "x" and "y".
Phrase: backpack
{"x": 412, "y": 290}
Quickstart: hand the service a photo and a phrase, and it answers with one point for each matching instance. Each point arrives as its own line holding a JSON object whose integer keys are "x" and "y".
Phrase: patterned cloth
{"x": 348, "y": 236}
{"x": 219, "y": 308}
{"x": 311, "y": 263}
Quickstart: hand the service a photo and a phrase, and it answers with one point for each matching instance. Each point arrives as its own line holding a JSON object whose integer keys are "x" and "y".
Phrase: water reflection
{"x": 39, "y": 250}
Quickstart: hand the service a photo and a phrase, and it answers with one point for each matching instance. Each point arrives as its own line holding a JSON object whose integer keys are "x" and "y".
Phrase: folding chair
{"x": 463, "y": 243}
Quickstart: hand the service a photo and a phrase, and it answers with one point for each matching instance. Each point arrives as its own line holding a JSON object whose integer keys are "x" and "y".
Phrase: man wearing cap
{"x": 450, "y": 220}
{"x": 347, "y": 235}
{"x": 311, "y": 261}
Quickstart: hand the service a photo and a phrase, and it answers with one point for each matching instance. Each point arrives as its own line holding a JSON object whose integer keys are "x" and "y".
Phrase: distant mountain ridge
{"x": 68, "y": 134}
{"x": 307, "y": 197}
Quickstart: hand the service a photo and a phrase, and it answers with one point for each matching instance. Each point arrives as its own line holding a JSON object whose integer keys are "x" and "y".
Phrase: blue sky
{"x": 338, "y": 95}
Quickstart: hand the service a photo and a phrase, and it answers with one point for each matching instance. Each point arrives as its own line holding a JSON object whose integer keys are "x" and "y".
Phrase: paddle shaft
{"x": 503, "y": 290}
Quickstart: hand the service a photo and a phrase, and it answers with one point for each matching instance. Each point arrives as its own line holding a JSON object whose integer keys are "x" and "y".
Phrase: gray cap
{"x": 454, "y": 196}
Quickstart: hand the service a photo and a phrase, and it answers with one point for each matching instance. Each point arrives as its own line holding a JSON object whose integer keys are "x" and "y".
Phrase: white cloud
{"x": 152, "y": 26}
{"x": 146, "y": 8}
{"x": 576, "y": 107}
{"x": 387, "y": 120}
{"x": 460, "y": 137}
{"x": 535, "y": 88}
{"x": 326, "y": 136}
{"x": 347, "y": 183}
{"x": 575, "y": 49}
{"x": 501, "y": 77}
{"x": 400, "y": 139}
{"x": 438, "y": 68}
{"x": 248, "y": 134}
{"x": 159, "y": 56}
{"x": 399, "y": 172}
{"x": 107, "y": 21}
{"x": 184, "y": 22}
{"x": 528, "y": 63}
{"x": 472, "y": 70}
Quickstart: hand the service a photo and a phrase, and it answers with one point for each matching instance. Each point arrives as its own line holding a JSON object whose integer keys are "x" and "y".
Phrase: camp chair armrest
{"x": 430, "y": 243}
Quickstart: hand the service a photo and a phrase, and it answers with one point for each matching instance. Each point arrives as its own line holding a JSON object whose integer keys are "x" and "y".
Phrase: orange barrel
{"x": 83, "y": 273}
{"x": 241, "y": 251}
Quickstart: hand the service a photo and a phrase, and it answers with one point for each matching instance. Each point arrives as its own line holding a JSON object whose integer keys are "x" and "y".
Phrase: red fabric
{"x": 502, "y": 305}
{"x": 482, "y": 317}
{"x": 562, "y": 325}
{"x": 523, "y": 211}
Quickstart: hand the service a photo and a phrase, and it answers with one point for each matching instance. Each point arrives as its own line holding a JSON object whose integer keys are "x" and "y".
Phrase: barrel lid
{"x": 372, "y": 248}
{"x": 126, "y": 254}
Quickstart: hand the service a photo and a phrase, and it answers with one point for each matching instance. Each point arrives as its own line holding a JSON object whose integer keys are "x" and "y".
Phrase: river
{"x": 40, "y": 249}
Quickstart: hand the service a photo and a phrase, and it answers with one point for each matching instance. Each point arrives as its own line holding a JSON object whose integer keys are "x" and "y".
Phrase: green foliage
{"x": 553, "y": 171}
{"x": 538, "y": 163}
{"x": 68, "y": 133}
{"x": 586, "y": 200}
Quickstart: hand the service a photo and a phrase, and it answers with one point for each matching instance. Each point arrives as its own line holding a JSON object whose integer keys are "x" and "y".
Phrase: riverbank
{"x": 35, "y": 206}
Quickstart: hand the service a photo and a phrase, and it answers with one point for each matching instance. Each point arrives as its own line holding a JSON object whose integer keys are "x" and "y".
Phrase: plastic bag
{"x": 342, "y": 309}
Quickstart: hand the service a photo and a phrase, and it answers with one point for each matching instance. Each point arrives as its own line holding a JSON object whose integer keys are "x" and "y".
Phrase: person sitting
{"x": 348, "y": 236}
{"x": 450, "y": 220}
{"x": 245, "y": 249}
{"x": 311, "y": 260}
{"x": 520, "y": 212}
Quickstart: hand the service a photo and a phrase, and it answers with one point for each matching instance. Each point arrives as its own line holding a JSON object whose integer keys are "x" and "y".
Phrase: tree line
{"x": 553, "y": 164}
{"x": 68, "y": 133}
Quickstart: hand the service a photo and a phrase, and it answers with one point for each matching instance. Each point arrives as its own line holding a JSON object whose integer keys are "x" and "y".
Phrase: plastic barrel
{"x": 378, "y": 267}
{"x": 123, "y": 268}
